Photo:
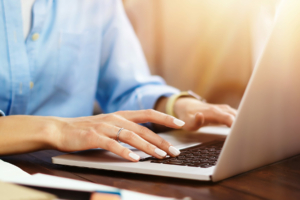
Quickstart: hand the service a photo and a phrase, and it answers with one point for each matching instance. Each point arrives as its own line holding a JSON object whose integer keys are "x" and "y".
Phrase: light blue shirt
{"x": 76, "y": 51}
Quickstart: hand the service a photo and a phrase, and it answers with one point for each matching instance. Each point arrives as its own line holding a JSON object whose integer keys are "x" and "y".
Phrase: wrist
{"x": 170, "y": 105}
{"x": 50, "y": 133}
{"x": 180, "y": 107}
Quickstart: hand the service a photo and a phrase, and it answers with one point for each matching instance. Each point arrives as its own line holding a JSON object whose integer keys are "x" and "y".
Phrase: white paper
{"x": 9, "y": 171}
{"x": 13, "y": 174}
{"x": 48, "y": 181}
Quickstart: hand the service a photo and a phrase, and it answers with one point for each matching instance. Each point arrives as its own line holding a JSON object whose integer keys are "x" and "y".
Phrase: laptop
{"x": 266, "y": 129}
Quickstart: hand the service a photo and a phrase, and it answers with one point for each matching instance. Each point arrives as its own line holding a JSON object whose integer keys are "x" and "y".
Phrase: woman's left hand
{"x": 196, "y": 113}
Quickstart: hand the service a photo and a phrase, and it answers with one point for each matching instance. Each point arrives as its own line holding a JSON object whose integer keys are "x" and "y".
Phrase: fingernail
{"x": 134, "y": 156}
{"x": 160, "y": 152}
{"x": 174, "y": 151}
{"x": 178, "y": 122}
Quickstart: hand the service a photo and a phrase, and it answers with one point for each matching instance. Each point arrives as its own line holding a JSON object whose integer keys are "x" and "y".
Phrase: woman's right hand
{"x": 100, "y": 131}
{"x": 21, "y": 134}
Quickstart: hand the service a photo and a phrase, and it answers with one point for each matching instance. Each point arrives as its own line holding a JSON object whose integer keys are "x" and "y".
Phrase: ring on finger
{"x": 118, "y": 134}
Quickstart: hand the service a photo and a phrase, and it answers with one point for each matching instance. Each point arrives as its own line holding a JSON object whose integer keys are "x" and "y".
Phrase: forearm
{"x": 21, "y": 134}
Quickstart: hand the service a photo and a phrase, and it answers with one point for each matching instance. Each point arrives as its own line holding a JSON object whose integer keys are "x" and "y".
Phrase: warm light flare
{"x": 210, "y": 46}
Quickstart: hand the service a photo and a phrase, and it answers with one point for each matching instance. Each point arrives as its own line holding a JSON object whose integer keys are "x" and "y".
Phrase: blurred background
{"x": 208, "y": 46}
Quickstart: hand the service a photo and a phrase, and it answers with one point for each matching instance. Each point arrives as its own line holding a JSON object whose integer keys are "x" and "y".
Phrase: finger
{"x": 229, "y": 109}
{"x": 143, "y": 116}
{"x": 227, "y": 119}
{"x": 136, "y": 141}
{"x": 114, "y": 147}
{"x": 219, "y": 116}
{"x": 131, "y": 138}
{"x": 148, "y": 135}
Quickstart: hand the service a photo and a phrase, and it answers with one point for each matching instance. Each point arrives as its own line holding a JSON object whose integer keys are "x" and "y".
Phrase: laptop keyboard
{"x": 204, "y": 155}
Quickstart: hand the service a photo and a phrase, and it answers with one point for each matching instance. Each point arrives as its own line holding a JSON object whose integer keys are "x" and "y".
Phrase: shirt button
{"x": 35, "y": 36}
{"x": 31, "y": 84}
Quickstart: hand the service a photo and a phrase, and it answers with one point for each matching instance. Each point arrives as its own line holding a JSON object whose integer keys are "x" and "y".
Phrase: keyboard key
{"x": 168, "y": 163}
{"x": 193, "y": 165}
{"x": 205, "y": 156}
{"x": 158, "y": 161}
{"x": 181, "y": 157}
{"x": 205, "y": 166}
{"x": 184, "y": 153}
{"x": 175, "y": 161}
{"x": 189, "y": 155}
{"x": 212, "y": 158}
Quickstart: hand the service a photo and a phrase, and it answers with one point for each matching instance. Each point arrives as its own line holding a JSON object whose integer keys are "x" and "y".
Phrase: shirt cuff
{"x": 2, "y": 114}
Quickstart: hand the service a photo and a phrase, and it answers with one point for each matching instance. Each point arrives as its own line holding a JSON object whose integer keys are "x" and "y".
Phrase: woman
{"x": 75, "y": 52}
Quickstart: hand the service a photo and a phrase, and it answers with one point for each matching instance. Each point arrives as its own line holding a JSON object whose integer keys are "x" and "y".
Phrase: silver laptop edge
{"x": 267, "y": 128}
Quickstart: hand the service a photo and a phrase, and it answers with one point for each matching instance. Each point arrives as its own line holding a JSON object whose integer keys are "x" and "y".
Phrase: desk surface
{"x": 280, "y": 180}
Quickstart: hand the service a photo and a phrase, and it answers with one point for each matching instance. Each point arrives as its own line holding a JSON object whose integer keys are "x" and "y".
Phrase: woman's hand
{"x": 100, "y": 131}
{"x": 197, "y": 114}
{"x": 20, "y": 134}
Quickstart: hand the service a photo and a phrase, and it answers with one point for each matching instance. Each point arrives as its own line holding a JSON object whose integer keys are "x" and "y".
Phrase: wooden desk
{"x": 277, "y": 181}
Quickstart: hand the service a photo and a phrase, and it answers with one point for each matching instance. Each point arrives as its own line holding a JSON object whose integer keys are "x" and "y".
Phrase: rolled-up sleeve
{"x": 125, "y": 82}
